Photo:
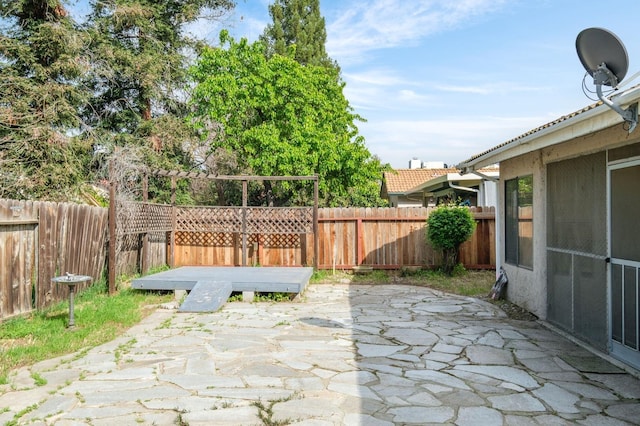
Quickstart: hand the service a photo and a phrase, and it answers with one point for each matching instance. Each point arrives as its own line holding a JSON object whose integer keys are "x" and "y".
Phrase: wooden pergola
{"x": 149, "y": 217}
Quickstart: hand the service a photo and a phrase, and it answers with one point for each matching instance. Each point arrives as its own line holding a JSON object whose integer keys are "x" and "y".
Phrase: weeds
{"x": 21, "y": 413}
{"x": 236, "y": 296}
{"x": 265, "y": 412}
{"x": 124, "y": 349}
{"x": 99, "y": 318}
{"x": 180, "y": 421}
{"x": 463, "y": 282}
{"x": 164, "y": 324}
{"x": 273, "y": 297}
{"x": 38, "y": 379}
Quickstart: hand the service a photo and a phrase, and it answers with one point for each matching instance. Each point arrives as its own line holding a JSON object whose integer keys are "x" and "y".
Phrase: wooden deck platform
{"x": 209, "y": 287}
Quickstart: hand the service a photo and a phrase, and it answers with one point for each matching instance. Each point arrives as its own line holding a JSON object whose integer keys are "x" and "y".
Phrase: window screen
{"x": 519, "y": 221}
{"x": 577, "y": 246}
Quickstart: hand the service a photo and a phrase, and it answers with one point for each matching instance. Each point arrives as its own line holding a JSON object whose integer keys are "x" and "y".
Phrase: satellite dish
{"x": 605, "y": 58}
{"x": 597, "y": 47}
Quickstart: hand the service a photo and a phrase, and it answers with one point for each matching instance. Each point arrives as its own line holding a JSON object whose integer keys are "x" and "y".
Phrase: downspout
{"x": 498, "y": 234}
{"x": 462, "y": 188}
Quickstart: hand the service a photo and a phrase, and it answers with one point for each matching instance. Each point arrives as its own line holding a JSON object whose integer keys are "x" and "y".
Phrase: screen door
{"x": 624, "y": 198}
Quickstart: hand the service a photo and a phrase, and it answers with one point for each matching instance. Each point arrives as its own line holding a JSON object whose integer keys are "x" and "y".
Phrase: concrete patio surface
{"x": 341, "y": 355}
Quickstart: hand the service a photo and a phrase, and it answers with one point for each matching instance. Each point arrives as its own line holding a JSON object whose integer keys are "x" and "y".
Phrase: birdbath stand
{"x": 71, "y": 280}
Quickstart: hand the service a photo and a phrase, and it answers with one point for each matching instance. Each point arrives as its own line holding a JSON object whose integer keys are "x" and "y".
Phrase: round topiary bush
{"x": 448, "y": 226}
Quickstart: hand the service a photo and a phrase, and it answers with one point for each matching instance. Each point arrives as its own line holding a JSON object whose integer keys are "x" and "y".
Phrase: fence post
{"x": 359, "y": 241}
{"x": 144, "y": 261}
{"x": 316, "y": 242}
{"x": 112, "y": 231}
{"x": 172, "y": 236}
{"x": 244, "y": 222}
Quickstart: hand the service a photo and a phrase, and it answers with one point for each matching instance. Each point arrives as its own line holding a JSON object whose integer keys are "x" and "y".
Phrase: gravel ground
{"x": 513, "y": 311}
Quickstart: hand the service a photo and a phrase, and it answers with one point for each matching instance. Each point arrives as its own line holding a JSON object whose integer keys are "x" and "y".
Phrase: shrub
{"x": 448, "y": 226}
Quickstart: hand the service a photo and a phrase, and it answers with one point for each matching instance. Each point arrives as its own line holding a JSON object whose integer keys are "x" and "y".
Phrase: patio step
{"x": 207, "y": 296}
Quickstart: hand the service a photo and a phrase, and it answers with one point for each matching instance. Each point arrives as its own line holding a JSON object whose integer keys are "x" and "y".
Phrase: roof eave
{"x": 427, "y": 186}
{"x": 591, "y": 120}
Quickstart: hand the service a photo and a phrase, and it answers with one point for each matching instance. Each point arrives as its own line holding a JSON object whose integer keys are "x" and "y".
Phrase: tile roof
{"x": 536, "y": 130}
{"x": 400, "y": 180}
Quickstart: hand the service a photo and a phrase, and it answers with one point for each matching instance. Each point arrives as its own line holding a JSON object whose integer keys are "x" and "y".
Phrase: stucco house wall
{"x": 527, "y": 287}
{"x": 571, "y": 281}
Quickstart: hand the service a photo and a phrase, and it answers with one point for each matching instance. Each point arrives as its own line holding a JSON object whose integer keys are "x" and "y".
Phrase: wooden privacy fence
{"x": 383, "y": 238}
{"x": 393, "y": 238}
{"x": 41, "y": 240}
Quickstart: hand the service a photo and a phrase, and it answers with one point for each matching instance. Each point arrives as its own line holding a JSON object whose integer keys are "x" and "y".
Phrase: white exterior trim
{"x": 583, "y": 123}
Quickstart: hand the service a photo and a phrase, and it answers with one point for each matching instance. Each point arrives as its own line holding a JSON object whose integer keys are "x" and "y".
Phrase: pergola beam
{"x": 211, "y": 176}
{"x": 177, "y": 174}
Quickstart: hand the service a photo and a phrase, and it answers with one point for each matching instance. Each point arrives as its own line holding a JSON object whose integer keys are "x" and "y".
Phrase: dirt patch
{"x": 513, "y": 311}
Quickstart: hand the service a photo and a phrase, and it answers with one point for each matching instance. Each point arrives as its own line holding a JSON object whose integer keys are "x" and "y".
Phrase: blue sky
{"x": 442, "y": 80}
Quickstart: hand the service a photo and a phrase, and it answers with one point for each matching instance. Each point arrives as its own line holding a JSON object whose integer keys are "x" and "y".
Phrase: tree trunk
{"x": 449, "y": 260}
{"x": 268, "y": 189}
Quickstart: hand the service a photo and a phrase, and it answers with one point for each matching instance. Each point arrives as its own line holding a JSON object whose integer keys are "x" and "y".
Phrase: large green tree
{"x": 282, "y": 118}
{"x": 40, "y": 65}
{"x": 141, "y": 53}
{"x": 120, "y": 80}
{"x": 298, "y": 30}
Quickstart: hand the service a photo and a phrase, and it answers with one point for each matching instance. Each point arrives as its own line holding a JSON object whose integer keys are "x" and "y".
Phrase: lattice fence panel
{"x": 137, "y": 218}
{"x": 209, "y": 219}
{"x": 282, "y": 220}
{"x": 276, "y": 240}
{"x": 205, "y": 239}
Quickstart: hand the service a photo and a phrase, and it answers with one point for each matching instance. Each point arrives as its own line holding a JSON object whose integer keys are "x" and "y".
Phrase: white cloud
{"x": 383, "y": 24}
{"x": 449, "y": 140}
{"x": 380, "y": 77}
{"x": 411, "y": 96}
{"x": 478, "y": 90}
{"x": 489, "y": 88}
{"x": 363, "y": 96}
{"x": 382, "y": 88}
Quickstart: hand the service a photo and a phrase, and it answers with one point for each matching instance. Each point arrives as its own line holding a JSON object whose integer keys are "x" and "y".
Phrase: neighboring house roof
{"x": 399, "y": 181}
{"x": 454, "y": 175}
{"x": 585, "y": 121}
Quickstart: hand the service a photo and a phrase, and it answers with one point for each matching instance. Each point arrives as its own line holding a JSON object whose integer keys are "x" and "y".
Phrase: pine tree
{"x": 140, "y": 62}
{"x": 298, "y": 30}
{"x": 139, "y": 80}
{"x": 40, "y": 64}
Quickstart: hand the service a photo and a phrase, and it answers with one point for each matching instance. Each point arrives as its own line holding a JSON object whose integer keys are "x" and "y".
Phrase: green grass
{"x": 99, "y": 318}
{"x": 463, "y": 282}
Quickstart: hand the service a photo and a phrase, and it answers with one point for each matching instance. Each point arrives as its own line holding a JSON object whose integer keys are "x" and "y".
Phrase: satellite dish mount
{"x": 605, "y": 58}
